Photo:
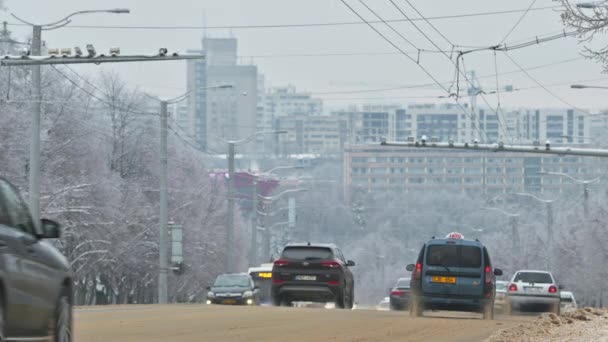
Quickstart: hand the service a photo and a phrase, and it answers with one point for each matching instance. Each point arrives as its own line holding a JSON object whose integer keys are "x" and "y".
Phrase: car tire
{"x": 275, "y": 300}
{"x": 62, "y": 322}
{"x": 488, "y": 311}
{"x": 286, "y": 302}
{"x": 340, "y": 301}
{"x": 415, "y": 308}
{"x": 2, "y": 319}
{"x": 351, "y": 299}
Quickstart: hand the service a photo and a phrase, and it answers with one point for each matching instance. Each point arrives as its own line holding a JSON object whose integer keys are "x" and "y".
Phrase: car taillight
{"x": 418, "y": 271}
{"x": 488, "y": 275}
{"x": 277, "y": 281}
{"x": 331, "y": 264}
{"x": 281, "y": 263}
{"x": 512, "y": 288}
{"x": 397, "y": 293}
{"x": 333, "y": 282}
{"x": 552, "y": 289}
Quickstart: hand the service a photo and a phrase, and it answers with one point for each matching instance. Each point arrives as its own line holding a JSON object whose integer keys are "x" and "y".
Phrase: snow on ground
{"x": 586, "y": 324}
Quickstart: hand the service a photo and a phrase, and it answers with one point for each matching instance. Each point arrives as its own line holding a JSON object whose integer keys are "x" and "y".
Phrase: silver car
{"x": 533, "y": 290}
{"x": 568, "y": 302}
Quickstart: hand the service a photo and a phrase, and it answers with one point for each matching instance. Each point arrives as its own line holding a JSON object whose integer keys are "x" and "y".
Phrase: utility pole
{"x": 163, "y": 261}
{"x": 230, "y": 217}
{"x": 34, "y": 165}
{"x": 253, "y": 248}
{"x": 291, "y": 218}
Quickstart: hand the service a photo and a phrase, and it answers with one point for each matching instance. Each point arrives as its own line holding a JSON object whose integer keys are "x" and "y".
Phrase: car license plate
{"x": 229, "y": 301}
{"x": 444, "y": 280}
{"x": 532, "y": 289}
{"x": 306, "y": 277}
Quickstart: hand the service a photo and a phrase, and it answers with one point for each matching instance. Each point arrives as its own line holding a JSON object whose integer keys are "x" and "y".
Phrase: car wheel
{"x": 351, "y": 299}
{"x": 2, "y": 321}
{"x": 286, "y": 302}
{"x": 276, "y": 300}
{"x": 415, "y": 308}
{"x": 340, "y": 301}
{"x": 488, "y": 311}
{"x": 63, "y": 320}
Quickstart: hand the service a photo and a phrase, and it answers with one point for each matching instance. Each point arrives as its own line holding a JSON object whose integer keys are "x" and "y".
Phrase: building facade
{"x": 375, "y": 168}
{"x": 319, "y": 134}
{"x": 221, "y": 114}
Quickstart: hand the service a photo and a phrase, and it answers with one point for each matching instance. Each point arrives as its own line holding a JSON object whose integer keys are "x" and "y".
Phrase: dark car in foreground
{"x": 453, "y": 274}
{"x": 313, "y": 273}
{"x": 400, "y": 294}
{"x": 35, "y": 278}
{"x": 233, "y": 289}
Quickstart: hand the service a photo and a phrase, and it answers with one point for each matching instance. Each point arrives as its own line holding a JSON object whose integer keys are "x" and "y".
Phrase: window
{"x": 18, "y": 213}
{"x": 454, "y": 256}
{"x": 533, "y": 277}
{"x": 307, "y": 253}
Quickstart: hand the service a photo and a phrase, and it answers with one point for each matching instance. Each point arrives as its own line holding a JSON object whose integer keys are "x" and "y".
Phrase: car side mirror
{"x": 410, "y": 267}
{"x": 208, "y": 288}
{"x": 561, "y": 287}
{"x": 497, "y": 272}
{"x": 350, "y": 263}
{"x": 50, "y": 229}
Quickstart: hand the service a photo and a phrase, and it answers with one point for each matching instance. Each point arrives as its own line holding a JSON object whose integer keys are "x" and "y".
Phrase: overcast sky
{"x": 335, "y": 73}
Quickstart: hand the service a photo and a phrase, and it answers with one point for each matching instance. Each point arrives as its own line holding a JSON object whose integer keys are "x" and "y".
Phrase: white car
{"x": 533, "y": 289}
{"x": 567, "y": 301}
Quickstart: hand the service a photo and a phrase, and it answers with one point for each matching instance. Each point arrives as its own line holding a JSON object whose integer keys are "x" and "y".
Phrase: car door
{"x": 11, "y": 257}
{"x": 34, "y": 280}
{"x": 348, "y": 275}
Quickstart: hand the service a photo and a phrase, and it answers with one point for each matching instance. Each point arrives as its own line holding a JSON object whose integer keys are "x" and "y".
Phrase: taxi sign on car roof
{"x": 455, "y": 235}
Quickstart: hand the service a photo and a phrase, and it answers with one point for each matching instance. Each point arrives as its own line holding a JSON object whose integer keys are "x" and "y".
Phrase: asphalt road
{"x": 223, "y": 323}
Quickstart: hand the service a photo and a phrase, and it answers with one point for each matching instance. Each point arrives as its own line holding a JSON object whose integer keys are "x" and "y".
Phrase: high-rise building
{"x": 222, "y": 114}
{"x": 284, "y": 101}
{"x": 306, "y": 134}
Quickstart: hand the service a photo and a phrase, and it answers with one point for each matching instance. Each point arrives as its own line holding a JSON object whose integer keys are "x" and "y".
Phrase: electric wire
{"x": 431, "y": 24}
{"x": 517, "y": 23}
{"x": 271, "y": 26}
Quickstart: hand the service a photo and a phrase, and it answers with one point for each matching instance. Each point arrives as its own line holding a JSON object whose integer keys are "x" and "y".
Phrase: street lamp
{"x": 579, "y": 181}
{"x": 163, "y": 215}
{"x": 549, "y": 206}
{"x": 253, "y": 249}
{"x": 230, "y": 218}
{"x": 582, "y": 86}
{"x": 292, "y": 214}
{"x": 588, "y": 5}
{"x": 36, "y": 50}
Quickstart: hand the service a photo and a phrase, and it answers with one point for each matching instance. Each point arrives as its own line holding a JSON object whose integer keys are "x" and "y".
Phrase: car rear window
{"x": 501, "y": 286}
{"x": 454, "y": 256}
{"x": 307, "y": 253}
{"x": 566, "y": 299}
{"x": 533, "y": 277}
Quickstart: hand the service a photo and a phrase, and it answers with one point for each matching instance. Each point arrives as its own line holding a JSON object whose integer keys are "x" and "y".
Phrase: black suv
{"x": 313, "y": 273}
{"x": 35, "y": 279}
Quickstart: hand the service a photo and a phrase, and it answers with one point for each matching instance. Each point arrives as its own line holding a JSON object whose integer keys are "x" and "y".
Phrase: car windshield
{"x": 232, "y": 280}
{"x": 533, "y": 277}
{"x": 454, "y": 256}
{"x": 403, "y": 283}
{"x": 501, "y": 286}
{"x": 307, "y": 253}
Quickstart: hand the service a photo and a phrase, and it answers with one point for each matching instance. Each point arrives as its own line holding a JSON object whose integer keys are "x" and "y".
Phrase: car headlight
{"x": 210, "y": 294}
{"x": 247, "y": 294}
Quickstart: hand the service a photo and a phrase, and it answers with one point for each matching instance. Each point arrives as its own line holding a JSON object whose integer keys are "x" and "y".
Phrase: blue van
{"x": 453, "y": 274}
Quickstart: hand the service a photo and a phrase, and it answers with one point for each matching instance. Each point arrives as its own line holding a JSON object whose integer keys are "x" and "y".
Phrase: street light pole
{"x": 549, "y": 209}
{"x": 34, "y": 165}
{"x": 163, "y": 211}
{"x": 163, "y": 262}
{"x": 230, "y": 250}
{"x": 580, "y": 181}
{"x": 36, "y": 50}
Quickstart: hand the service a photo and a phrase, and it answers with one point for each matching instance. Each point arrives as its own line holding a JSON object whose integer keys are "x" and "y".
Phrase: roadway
{"x": 223, "y": 323}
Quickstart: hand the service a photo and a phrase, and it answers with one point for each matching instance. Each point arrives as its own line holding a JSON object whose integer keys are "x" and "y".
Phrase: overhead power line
{"x": 272, "y": 26}
{"x": 517, "y": 23}
{"x": 428, "y": 73}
